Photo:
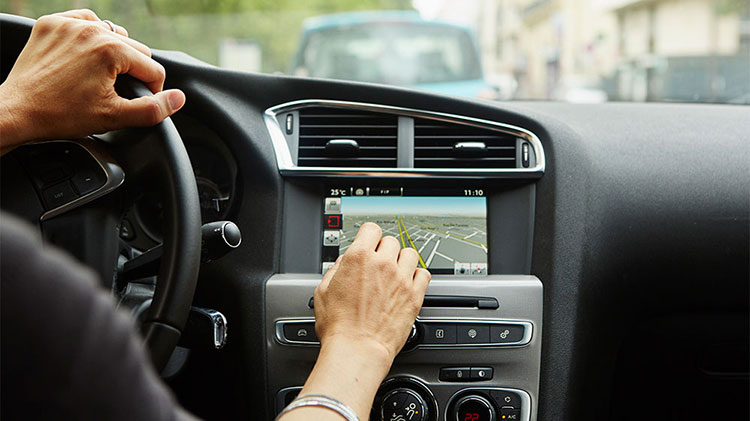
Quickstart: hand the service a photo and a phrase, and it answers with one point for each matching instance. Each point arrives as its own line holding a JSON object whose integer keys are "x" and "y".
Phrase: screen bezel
{"x": 330, "y": 253}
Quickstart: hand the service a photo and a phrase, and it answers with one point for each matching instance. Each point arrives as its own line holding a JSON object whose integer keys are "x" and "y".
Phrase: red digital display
{"x": 471, "y": 416}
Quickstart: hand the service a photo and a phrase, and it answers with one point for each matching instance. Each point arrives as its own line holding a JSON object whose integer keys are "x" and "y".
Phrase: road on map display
{"x": 441, "y": 241}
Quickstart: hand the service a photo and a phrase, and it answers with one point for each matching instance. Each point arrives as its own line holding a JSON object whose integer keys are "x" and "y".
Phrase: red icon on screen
{"x": 333, "y": 221}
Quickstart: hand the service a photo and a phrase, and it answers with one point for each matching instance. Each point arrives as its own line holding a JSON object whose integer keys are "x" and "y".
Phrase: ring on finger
{"x": 110, "y": 24}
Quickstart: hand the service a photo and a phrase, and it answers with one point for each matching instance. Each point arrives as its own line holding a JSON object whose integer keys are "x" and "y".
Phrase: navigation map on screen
{"x": 448, "y": 232}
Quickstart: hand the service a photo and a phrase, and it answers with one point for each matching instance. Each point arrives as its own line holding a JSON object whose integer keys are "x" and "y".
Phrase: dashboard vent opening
{"x": 441, "y": 144}
{"x": 324, "y": 134}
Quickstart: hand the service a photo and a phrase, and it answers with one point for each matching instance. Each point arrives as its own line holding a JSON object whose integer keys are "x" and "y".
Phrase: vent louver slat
{"x": 374, "y": 133}
{"x": 435, "y": 146}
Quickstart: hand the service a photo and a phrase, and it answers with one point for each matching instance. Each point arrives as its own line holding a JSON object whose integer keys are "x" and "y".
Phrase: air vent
{"x": 441, "y": 144}
{"x": 333, "y": 137}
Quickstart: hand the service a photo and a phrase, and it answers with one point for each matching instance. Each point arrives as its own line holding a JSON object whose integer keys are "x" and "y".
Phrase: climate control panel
{"x": 473, "y": 354}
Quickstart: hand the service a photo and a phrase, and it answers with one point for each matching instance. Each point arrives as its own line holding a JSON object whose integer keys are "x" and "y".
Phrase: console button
{"x": 59, "y": 195}
{"x": 455, "y": 374}
{"x": 473, "y": 333}
{"x": 506, "y": 333}
{"x": 510, "y": 414}
{"x": 439, "y": 333}
{"x": 301, "y": 332}
{"x": 481, "y": 373}
{"x": 505, "y": 398}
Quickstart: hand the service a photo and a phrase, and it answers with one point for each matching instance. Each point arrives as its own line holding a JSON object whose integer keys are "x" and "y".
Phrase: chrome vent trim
{"x": 287, "y": 166}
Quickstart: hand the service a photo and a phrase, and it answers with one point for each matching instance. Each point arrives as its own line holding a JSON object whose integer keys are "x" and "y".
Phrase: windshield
{"x": 563, "y": 50}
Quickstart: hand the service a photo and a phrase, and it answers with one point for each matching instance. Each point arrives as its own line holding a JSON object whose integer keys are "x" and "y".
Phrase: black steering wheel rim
{"x": 169, "y": 164}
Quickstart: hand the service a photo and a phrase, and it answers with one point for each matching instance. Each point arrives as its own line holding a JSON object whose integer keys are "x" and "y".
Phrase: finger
{"x": 388, "y": 247}
{"x": 83, "y": 14}
{"x": 422, "y": 279}
{"x": 89, "y": 15}
{"x": 115, "y": 28}
{"x": 368, "y": 237}
{"x": 143, "y": 48}
{"x": 148, "y": 110}
{"x": 146, "y": 69}
{"x": 407, "y": 262}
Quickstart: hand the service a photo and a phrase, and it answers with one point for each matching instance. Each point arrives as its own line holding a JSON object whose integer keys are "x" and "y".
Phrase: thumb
{"x": 149, "y": 110}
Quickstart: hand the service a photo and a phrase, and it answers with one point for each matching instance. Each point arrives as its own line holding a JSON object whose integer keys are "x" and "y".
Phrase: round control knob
{"x": 474, "y": 408}
{"x": 403, "y": 404}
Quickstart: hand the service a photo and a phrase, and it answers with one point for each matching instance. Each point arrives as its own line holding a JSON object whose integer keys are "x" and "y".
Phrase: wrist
{"x": 12, "y": 118}
{"x": 373, "y": 354}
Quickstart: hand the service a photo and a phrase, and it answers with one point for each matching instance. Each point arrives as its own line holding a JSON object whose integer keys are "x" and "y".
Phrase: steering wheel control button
{"x": 439, "y": 333}
{"x": 455, "y": 374}
{"x": 481, "y": 373}
{"x": 300, "y": 332}
{"x": 474, "y": 408}
{"x": 473, "y": 333}
{"x": 331, "y": 237}
{"x": 506, "y": 399}
{"x": 88, "y": 180}
{"x": 403, "y": 404}
{"x": 510, "y": 414}
{"x": 58, "y": 195}
{"x": 506, "y": 333}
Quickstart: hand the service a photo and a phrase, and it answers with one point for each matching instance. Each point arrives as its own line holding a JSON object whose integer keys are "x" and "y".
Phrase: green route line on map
{"x": 454, "y": 235}
{"x": 408, "y": 237}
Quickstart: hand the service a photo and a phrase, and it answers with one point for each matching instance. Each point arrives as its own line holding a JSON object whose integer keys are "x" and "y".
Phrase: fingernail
{"x": 176, "y": 99}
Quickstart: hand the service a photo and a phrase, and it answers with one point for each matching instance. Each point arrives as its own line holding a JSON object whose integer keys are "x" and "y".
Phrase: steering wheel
{"x": 131, "y": 158}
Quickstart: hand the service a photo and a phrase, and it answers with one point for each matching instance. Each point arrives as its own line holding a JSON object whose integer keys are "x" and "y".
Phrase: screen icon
{"x": 331, "y": 238}
{"x": 326, "y": 266}
{"x": 461, "y": 268}
{"x": 479, "y": 268}
{"x": 333, "y": 221}
{"x": 332, "y": 205}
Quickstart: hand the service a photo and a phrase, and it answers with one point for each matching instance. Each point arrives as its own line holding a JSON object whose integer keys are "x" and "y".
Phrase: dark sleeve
{"x": 66, "y": 352}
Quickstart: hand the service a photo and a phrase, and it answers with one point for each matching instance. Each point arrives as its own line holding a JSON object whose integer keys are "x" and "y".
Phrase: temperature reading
{"x": 471, "y": 416}
{"x": 473, "y": 192}
{"x": 339, "y": 192}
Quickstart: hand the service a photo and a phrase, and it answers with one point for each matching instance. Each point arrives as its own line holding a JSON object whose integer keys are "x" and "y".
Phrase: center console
{"x": 474, "y": 351}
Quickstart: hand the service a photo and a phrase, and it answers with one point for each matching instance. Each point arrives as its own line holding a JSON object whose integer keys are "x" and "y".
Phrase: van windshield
{"x": 391, "y": 53}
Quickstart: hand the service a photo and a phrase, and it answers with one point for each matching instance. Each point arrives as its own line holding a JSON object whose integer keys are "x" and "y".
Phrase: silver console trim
{"x": 287, "y": 166}
{"x": 525, "y": 400}
{"x": 112, "y": 171}
{"x": 527, "y": 335}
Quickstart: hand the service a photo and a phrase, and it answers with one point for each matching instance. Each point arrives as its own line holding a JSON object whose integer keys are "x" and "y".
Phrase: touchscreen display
{"x": 449, "y": 232}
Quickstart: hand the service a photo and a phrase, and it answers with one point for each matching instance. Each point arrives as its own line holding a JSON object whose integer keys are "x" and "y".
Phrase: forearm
{"x": 347, "y": 371}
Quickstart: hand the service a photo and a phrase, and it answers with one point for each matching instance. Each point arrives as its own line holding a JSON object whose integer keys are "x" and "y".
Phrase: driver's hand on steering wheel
{"x": 62, "y": 85}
